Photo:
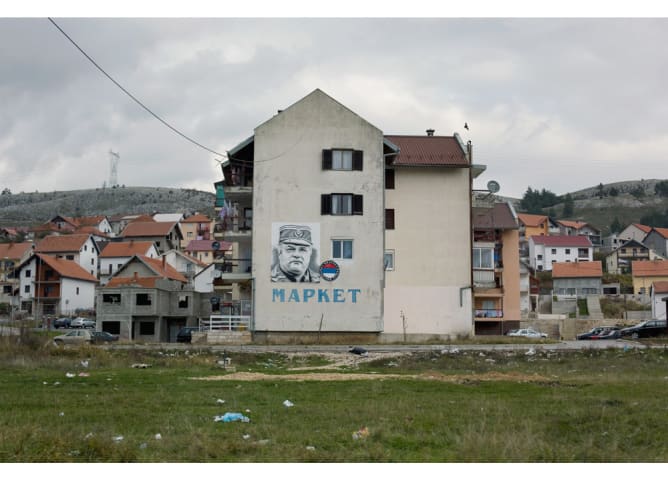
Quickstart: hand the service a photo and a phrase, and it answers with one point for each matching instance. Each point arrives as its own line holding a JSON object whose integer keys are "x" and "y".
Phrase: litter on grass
{"x": 361, "y": 433}
{"x": 158, "y": 437}
{"x": 220, "y": 401}
{"x": 287, "y": 404}
{"x": 69, "y": 374}
{"x": 141, "y": 366}
{"x": 117, "y": 439}
{"x": 231, "y": 417}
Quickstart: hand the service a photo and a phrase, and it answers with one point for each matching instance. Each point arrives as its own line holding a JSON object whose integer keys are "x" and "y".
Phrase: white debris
{"x": 117, "y": 439}
{"x": 531, "y": 352}
{"x": 310, "y": 448}
{"x": 220, "y": 401}
{"x": 287, "y": 404}
{"x": 69, "y": 374}
{"x": 158, "y": 437}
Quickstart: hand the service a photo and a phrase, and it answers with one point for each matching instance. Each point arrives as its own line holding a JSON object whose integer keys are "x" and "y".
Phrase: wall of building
{"x": 430, "y": 283}
{"x": 511, "y": 275}
{"x": 71, "y": 300}
{"x": 288, "y": 184}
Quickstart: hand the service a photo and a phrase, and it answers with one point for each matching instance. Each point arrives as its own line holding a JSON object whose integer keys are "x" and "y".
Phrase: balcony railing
{"x": 489, "y": 313}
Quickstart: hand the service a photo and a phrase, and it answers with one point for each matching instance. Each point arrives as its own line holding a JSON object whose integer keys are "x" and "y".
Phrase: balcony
{"x": 233, "y": 228}
{"x": 231, "y": 269}
{"x": 492, "y": 314}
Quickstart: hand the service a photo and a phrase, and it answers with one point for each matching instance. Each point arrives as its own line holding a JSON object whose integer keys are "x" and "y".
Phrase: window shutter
{"x": 358, "y": 205}
{"x": 326, "y": 159}
{"x": 389, "y": 218}
{"x": 389, "y": 178}
{"x": 325, "y": 204}
{"x": 358, "y": 159}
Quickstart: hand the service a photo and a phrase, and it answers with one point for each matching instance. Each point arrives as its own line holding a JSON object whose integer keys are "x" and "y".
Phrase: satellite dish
{"x": 493, "y": 186}
{"x": 215, "y": 245}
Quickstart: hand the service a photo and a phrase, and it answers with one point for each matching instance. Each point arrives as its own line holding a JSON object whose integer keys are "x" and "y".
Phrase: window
{"x": 389, "y": 219}
{"x": 111, "y": 298}
{"x": 86, "y": 248}
{"x": 388, "y": 260}
{"x": 483, "y": 258}
{"x": 143, "y": 299}
{"x": 183, "y": 302}
{"x": 341, "y": 204}
{"x": 28, "y": 273}
{"x": 342, "y": 249}
{"x": 110, "y": 267}
{"x": 92, "y": 262}
{"x": 342, "y": 159}
{"x": 539, "y": 257}
{"x": 26, "y": 289}
{"x": 146, "y": 328}
{"x": 568, "y": 251}
{"x": 389, "y": 178}
{"x": 69, "y": 257}
{"x": 189, "y": 234}
{"x": 77, "y": 291}
{"x": 554, "y": 251}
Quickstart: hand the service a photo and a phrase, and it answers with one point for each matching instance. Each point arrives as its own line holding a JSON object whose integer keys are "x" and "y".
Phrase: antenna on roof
{"x": 114, "y": 157}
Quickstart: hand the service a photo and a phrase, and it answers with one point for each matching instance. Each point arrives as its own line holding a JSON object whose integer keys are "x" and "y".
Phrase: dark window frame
{"x": 389, "y": 219}
{"x": 356, "y": 204}
{"x": 357, "y": 161}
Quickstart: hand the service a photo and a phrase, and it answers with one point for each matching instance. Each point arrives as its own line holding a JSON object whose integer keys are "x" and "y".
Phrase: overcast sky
{"x": 561, "y": 104}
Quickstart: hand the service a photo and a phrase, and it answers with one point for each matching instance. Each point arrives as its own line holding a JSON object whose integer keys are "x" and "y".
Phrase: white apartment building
{"x": 546, "y": 250}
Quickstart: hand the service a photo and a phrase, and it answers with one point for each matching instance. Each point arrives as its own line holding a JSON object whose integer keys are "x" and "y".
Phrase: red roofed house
{"x": 115, "y": 254}
{"x": 11, "y": 256}
{"x": 80, "y": 248}
{"x": 149, "y": 300}
{"x": 165, "y": 235}
{"x": 195, "y": 227}
{"x": 546, "y": 250}
{"x": 577, "y": 279}
{"x": 657, "y": 240}
{"x": 645, "y": 273}
{"x": 51, "y": 286}
{"x": 571, "y": 227}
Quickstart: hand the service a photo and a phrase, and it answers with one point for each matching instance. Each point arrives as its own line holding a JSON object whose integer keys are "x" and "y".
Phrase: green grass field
{"x": 592, "y": 406}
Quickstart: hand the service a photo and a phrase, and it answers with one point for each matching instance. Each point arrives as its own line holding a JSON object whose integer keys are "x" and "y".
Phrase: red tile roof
{"x": 420, "y": 150}
{"x": 67, "y": 268}
{"x": 649, "y": 268}
{"x": 89, "y": 229}
{"x": 126, "y": 249}
{"x": 562, "y": 240}
{"x": 93, "y": 220}
{"x": 575, "y": 224}
{"x": 660, "y": 286}
{"x": 206, "y": 245}
{"x": 14, "y": 250}
{"x": 146, "y": 282}
{"x": 62, "y": 243}
{"x": 663, "y": 232}
{"x": 196, "y": 219}
{"x": 644, "y": 228}
{"x": 576, "y": 269}
{"x": 148, "y": 229}
{"x": 162, "y": 268}
{"x": 498, "y": 217}
{"x": 532, "y": 220}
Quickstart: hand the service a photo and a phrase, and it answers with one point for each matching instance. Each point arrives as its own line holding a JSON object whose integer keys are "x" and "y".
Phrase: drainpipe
{"x": 470, "y": 196}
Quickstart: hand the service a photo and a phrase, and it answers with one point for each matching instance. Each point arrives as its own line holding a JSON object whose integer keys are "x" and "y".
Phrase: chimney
{"x": 430, "y": 132}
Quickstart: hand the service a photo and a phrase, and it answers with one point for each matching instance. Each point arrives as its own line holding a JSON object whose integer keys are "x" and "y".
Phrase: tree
{"x": 661, "y": 188}
{"x": 534, "y": 201}
{"x": 6, "y": 191}
{"x": 568, "y": 206}
{"x": 614, "y": 192}
{"x": 616, "y": 226}
{"x": 600, "y": 190}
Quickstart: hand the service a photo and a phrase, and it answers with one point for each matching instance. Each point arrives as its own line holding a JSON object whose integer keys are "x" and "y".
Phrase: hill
{"x": 627, "y": 201}
{"x": 26, "y": 209}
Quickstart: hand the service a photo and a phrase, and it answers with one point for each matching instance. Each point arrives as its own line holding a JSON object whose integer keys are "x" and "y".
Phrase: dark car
{"x": 600, "y": 332}
{"x": 62, "y": 323}
{"x": 651, "y": 328}
{"x": 103, "y": 337}
{"x": 185, "y": 334}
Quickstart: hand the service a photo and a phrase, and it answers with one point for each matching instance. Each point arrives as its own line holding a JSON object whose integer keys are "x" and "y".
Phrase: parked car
{"x": 651, "y": 328}
{"x": 600, "y": 332}
{"x": 76, "y": 336}
{"x": 529, "y": 332}
{"x": 83, "y": 323}
{"x": 103, "y": 337}
{"x": 62, "y": 323}
{"x": 185, "y": 334}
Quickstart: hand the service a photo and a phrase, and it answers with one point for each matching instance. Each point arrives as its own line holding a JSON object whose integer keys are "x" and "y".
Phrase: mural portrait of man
{"x": 294, "y": 257}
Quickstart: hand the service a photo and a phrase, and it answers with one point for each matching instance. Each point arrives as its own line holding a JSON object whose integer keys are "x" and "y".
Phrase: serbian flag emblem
{"x": 329, "y": 270}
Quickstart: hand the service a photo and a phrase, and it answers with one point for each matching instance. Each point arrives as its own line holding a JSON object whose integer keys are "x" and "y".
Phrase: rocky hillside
{"x": 36, "y": 207}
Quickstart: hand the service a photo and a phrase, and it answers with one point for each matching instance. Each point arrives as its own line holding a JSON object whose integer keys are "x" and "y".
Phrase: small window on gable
{"x": 341, "y": 204}
{"x": 342, "y": 159}
{"x": 389, "y": 219}
{"x": 389, "y": 178}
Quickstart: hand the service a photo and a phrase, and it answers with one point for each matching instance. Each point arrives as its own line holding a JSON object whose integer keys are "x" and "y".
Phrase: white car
{"x": 527, "y": 333}
{"x": 82, "y": 322}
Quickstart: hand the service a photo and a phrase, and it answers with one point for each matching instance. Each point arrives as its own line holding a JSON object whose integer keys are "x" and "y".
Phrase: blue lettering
{"x": 354, "y": 293}
{"x": 322, "y": 294}
{"x": 278, "y": 293}
{"x": 294, "y": 296}
{"x": 338, "y": 295}
{"x": 308, "y": 293}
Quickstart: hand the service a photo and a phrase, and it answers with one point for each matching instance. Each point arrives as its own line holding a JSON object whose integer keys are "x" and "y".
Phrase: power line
{"x": 130, "y": 95}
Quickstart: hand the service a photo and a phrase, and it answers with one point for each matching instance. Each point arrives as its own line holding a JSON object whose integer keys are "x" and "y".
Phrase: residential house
{"x": 98, "y": 224}
{"x": 114, "y": 255}
{"x": 168, "y": 217}
{"x": 577, "y": 279}
{"x": 80, "y": 248}
{"x": 529, "y": 290}
{"x": 148, "y": 300}
{"x": 206, "y": 251}
{"x": 659, "y": 299}
{"x": 647, "y": 272}
{"x": 657, "y": 240}
{"x": 183, "y": 263}
{"x": 546, "y": 250}
{"x": 619, "y": 261}
{"x": 11, "y": 256}
{"x": 205, "y": 279}
{"x": 350, "y": 202}
{"x": 578, "y": 228}
{"x": 496, "y": 269}
{"x": 165, "y": 235}
{"x": 634, "y": 231}
{"x": 196, "y": 227}
{"x": 52, "y": 286}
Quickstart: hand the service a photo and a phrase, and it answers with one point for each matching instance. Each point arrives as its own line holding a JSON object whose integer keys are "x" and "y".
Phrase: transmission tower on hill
{"x": 113, "y": 168}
